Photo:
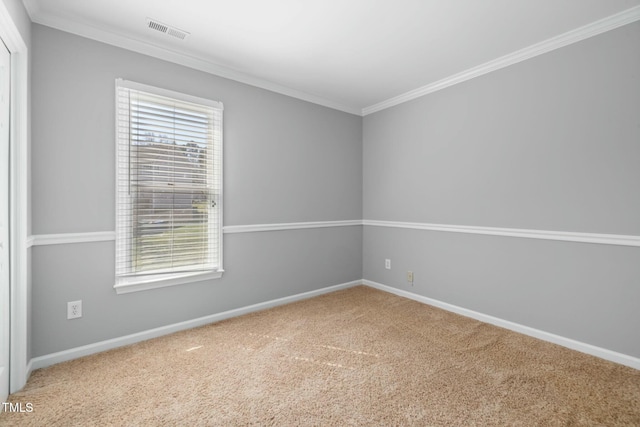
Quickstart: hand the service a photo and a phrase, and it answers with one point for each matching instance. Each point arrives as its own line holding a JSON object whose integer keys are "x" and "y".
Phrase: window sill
{"x": 125, "y": 286}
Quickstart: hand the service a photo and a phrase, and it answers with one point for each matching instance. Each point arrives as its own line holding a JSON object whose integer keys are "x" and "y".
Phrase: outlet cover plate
{"x": 74, "y": 309}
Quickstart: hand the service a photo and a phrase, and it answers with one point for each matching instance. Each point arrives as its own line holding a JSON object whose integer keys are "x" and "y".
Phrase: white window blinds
{"x": 169, "y": 185}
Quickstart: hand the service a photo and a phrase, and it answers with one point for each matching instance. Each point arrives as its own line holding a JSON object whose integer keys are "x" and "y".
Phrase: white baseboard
{"x": 29, "y": 370}
{"x": 602, "y": 353}
{"x": 74, "y": 353}
{"x": 85, "y": 350}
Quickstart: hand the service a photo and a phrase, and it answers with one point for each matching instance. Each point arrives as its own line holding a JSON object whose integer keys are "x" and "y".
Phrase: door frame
{"x": 19, "y": 367}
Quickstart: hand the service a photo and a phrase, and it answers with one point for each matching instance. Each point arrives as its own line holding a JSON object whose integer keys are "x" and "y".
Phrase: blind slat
{"x": 169, "y": 174}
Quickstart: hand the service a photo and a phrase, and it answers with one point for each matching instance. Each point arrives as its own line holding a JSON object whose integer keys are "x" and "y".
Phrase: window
{"x": 168, "y": 188}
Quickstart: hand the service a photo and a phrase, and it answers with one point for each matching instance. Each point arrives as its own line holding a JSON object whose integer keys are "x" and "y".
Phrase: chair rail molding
{"x": 106, "y": 236}
{"x": 567, "y": 236}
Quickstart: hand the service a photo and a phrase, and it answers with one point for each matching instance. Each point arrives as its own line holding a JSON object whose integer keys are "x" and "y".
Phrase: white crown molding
{"x": 11, "y": 36}
{"x": 120, "y": 40}
{"x": 32, "y": 7}
{"x": 567, "y": 236}
{"x": 191, "y": 61}
{"x": 230, "y": 229}
{"x": 74, "y": 353}
{"x": 593, "y": 29}
{"x": 603, "y": 353}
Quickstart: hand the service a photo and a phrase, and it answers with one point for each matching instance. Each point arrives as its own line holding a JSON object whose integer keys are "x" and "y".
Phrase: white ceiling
{"x": 353, "y": 55}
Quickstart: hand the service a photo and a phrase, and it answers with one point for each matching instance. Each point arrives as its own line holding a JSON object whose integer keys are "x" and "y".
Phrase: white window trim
{"x": 148, "y": 282}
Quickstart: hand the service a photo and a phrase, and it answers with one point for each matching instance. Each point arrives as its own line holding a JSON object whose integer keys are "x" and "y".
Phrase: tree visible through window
{"x": 169, "y": 187}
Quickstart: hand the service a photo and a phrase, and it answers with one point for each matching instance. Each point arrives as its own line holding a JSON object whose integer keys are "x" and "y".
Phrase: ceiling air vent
{"x": 167, "y": 29}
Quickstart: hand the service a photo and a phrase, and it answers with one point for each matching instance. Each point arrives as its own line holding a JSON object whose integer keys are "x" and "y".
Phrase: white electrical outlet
{"x": 410, "y": 277}
{"x": 74, "y": 309}
{"x": 387, "y": 264}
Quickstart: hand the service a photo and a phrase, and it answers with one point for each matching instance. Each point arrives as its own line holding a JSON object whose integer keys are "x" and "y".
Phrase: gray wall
{"x": 286, "y": 160}
{"x": 552, "y": 143}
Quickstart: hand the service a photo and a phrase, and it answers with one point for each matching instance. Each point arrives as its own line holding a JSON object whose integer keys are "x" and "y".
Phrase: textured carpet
{"x": 354, "y": 357}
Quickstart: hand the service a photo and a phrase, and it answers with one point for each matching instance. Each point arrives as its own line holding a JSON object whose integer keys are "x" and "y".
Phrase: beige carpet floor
{"x": 357, "y": 357}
